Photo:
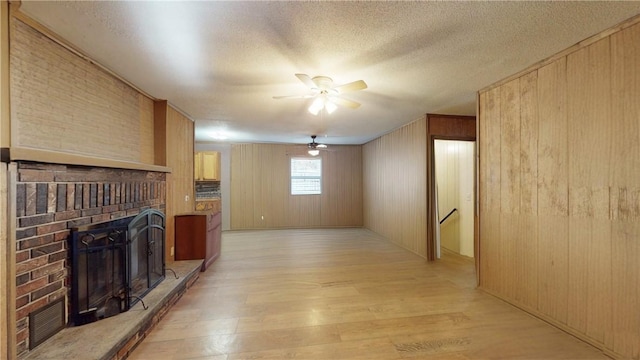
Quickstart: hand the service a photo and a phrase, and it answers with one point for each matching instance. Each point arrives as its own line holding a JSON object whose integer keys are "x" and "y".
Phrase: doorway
{"x": 454, "y": 197}
{"x": 445, "y": 127}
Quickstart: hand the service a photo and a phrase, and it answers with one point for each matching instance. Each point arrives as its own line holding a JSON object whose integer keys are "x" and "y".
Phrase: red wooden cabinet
{"x": 198, "y": 236}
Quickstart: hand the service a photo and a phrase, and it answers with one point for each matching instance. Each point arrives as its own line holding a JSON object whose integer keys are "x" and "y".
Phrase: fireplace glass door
{"x": 115, "y": 264}
{"x": 99, "y": 277}
{"x": 146, "y": 249}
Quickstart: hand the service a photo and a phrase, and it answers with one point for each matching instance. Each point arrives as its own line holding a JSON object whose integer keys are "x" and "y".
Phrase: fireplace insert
{"x": 114, "y": 264}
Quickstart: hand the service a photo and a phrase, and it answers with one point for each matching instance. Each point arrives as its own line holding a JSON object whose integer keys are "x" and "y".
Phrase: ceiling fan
{"x": 314, "y": 147}
{"x": 327, "y": 96}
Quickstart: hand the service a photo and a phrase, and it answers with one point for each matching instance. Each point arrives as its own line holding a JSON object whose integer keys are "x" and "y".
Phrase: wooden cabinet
{"x": 197, "y": 166}
{"x": 206, "y": 165}
{"x": 198, "y": 236}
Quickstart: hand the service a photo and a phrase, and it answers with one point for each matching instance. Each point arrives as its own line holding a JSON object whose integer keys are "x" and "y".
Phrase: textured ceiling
{"x": 222, "y": 62}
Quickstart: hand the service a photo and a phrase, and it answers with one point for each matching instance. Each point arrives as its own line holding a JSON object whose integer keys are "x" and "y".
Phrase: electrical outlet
{"x": 172, "y": 251}
{"x": 186, "y": 198}
{"x": 262, "y": 217}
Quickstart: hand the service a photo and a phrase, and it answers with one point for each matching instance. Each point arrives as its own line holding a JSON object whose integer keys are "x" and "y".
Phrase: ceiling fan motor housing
{"x": 323, "y": 82}
{"x": 314, "y": 145}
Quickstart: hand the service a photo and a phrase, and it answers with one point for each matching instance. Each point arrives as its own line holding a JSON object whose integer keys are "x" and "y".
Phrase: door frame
{"x": 446, "y": 127}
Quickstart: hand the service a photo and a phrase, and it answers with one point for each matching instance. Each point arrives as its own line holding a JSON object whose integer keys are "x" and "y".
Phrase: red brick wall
{"x": 51, "y": 199}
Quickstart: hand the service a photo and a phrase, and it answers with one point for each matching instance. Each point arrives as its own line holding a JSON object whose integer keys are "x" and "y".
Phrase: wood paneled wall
{"x": 7, "y": 222}
{"x": 560, "y": 190}
{"x": 260, "y": 187}
{"x": 395, "y": 184}
{"x": 62, "y": 102}
{"x": 179, "y": 157}
{"x": 5, "y": 119}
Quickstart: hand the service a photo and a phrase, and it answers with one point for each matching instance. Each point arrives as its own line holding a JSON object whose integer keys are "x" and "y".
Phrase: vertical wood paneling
{"x": 625, "y": 191}
{"x": 7, "y": 253}
{"x": 510, "y": 147}
{"x": 262, "y": 180}
{"x": 553, "y": 191}
{"x": 277, "y": 203}
{"x": 527, "y": 239}
{"x": 589, "y": 144}
{"x": 160, "y": 132}
{"x": 560, "y": 236}
{"x": 510, "y": 186}
{"x": 552, "y": 141}
{"x": 490, "y": 189}
{"x": 5, "y": 118}
{"x": 260, "y": 188}
{"x": 529, "y": 143}
{"x": 492, "y": 154}
{"x": 625, "y": 292}
{"x": 343, "y": 212}
{"x": 394, "y": 168}
{"x": 180, "y": 185}
{"x": 482, "y": 266}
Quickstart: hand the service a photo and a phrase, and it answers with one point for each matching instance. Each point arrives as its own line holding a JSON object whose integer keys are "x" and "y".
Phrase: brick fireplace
{"x": 114, "y": 264}
{"x": 52, "y": 199}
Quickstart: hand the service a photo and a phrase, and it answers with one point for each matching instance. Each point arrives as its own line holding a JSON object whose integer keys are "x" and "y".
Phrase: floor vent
{"x": 46, "y": 322}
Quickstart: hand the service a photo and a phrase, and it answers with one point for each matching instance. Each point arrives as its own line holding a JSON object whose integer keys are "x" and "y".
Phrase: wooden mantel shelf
{"x": 56, "y": 157}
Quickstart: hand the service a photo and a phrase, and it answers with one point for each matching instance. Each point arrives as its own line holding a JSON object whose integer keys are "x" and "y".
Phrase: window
{"x": 306, "y": 176}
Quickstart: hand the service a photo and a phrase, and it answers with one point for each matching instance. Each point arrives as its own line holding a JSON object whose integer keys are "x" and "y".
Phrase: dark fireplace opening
{"x": 114, "y": 264}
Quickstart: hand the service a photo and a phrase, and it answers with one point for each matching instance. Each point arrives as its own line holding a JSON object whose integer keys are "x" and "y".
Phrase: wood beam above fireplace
{"x": 57, "y": 157}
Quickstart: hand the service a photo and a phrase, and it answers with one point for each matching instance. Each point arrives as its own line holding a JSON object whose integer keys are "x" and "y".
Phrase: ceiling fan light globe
{"x": 314, "y": 152}
{"x": 316, "y": 106}
{"x": 330, "y": 107}
{"x": 314, "y": 110}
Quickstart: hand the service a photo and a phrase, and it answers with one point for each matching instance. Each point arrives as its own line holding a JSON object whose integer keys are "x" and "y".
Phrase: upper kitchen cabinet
{"x": 207, "y": 166}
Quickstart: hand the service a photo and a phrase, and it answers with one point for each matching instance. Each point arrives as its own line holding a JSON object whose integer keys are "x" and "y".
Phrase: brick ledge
{"x": 113, "y": 338}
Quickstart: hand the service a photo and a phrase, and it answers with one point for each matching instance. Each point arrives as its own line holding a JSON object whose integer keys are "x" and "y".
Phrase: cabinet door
{"x": 211, "y": 165}
{"x": 190, "y": 237}
{"x": 197, "y": 166}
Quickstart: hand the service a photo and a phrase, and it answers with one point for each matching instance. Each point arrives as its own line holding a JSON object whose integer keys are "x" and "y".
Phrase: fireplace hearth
{"x": 114, "y": 264}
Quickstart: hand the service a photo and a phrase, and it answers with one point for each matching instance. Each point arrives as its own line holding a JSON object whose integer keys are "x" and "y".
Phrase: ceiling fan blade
{"x": 345, "y": 102}
{"x": 307, "y": 80}
{"x": 294, "y": 97}
{"x": 352, "y": 86}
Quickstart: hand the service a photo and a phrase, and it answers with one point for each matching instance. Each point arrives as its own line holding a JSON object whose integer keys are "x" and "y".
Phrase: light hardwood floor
{"x": 345, "y": 294}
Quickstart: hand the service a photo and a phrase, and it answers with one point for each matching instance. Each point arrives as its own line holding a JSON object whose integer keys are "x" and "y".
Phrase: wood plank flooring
{"x": 345, "y": 294}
